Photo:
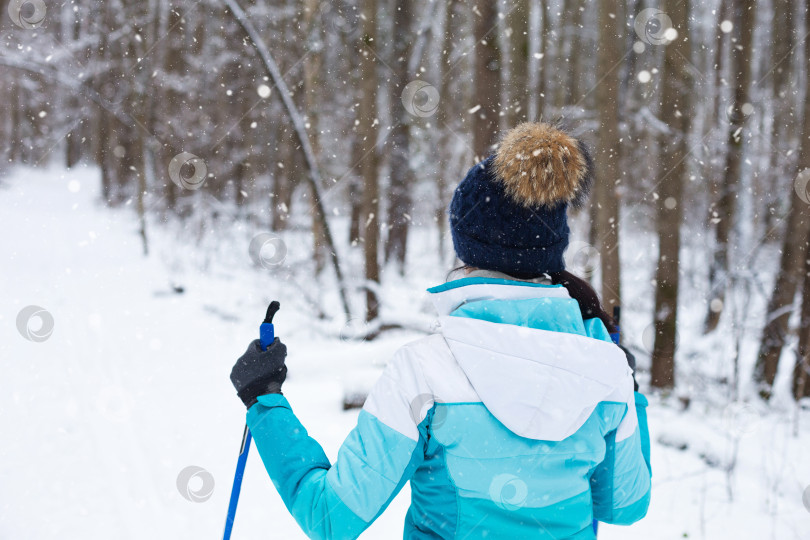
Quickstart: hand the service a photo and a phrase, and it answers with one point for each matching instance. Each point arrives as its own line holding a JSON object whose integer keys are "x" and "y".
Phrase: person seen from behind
{"x": 519, "y": 418}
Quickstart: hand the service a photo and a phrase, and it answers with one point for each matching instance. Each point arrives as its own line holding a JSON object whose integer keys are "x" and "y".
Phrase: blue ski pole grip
{"x": 266, "y": 335}
{"x": 267, "y": 332}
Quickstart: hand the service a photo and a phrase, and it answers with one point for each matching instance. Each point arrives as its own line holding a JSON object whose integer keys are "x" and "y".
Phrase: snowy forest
{"x": 169, "y": 167}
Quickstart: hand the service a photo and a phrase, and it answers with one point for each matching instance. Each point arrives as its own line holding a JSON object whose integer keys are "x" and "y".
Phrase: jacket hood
{"x": 538, "y": 370}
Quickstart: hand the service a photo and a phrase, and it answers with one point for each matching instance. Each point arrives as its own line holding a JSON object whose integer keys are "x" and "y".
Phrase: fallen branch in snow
{"x": 314, "y": 177}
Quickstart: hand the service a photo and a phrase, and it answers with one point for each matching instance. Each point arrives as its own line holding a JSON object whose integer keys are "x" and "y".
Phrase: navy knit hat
{"x": 510, "y": 212}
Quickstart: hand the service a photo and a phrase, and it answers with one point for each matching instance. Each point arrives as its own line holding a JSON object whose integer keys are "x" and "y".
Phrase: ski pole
{"x": 266, "y": 337}
{"x": 617, "y": 338}
{"x": 237, "y": 482}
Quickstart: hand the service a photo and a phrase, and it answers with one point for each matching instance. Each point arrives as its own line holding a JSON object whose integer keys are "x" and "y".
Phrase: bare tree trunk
{"x": 518, "y": 55}
{"x": 369, "y": 129}
{"x": 172, "y": 100}
{"x": 562, "y": 90}
{"x": 312, "y": 68}
{"x": 69, "y": 34}
{"x": 785, "y": 89}
{"x": 801, "y": 369}
{"x": 446, "y": 112}
{"x": 399, "y": 195}
{"x": 744, "y": 15}
{"x": 608, "y": 155}
{"x": 487, "y": 79}
{"x": 102, "y": 150}
{"x": 551, "y": 60}
{"x": 354, "y": 181}
{"x": 145, "y": 113}
{"x": 283, "y": 186}
{"x": 15, "y": 135}
{"x": 355, "y": 202}
{"x": 676, "y": 112}
{"x": 537, "y": 48}
{"x": 714, "y": 112}
{"x": 775, "y": 330}
{"x": 791, "y": 264}
{"x": 575, "y": 82}
{"x": 103, "y": 120}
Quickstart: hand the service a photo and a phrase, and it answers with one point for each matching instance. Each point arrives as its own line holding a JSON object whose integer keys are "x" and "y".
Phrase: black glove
{"x": 259, "y": 372}
{"x": 631, "y": 361}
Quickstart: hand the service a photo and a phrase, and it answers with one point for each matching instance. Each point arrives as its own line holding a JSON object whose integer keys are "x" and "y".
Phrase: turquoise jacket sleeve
{"x": 337, "y": 500}
{"x": 620, "y": 485}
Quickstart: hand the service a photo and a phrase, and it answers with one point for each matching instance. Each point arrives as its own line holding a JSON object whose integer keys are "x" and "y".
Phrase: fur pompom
{"x": 541, "y": 165}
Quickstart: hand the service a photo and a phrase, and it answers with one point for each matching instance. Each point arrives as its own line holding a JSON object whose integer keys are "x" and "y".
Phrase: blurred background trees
{"x": 696, "y": 111}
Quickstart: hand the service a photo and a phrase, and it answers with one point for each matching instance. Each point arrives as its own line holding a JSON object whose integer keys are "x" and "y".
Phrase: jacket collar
{"x": 485, "y": 285}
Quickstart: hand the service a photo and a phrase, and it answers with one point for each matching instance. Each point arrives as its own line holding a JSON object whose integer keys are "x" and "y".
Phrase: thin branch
{"x": 314, "y": 177}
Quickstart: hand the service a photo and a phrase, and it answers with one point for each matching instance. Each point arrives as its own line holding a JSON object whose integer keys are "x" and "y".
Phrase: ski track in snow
{"x": 132, "y": 387}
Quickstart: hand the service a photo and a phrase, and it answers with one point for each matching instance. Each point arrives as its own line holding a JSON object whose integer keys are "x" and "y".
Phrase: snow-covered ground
{"x": 98, "y": 421}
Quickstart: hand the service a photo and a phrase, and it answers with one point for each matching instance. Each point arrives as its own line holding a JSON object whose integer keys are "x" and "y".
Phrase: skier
{"x": 518, "y": 419}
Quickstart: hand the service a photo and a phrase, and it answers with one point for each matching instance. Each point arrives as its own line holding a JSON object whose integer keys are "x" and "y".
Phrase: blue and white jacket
{"x": 517, "y": 420}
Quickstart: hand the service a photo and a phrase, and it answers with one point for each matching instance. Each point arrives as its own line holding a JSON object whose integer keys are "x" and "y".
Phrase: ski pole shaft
{"x": 237, "y": 482}
{"x": 266, "y": 336}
